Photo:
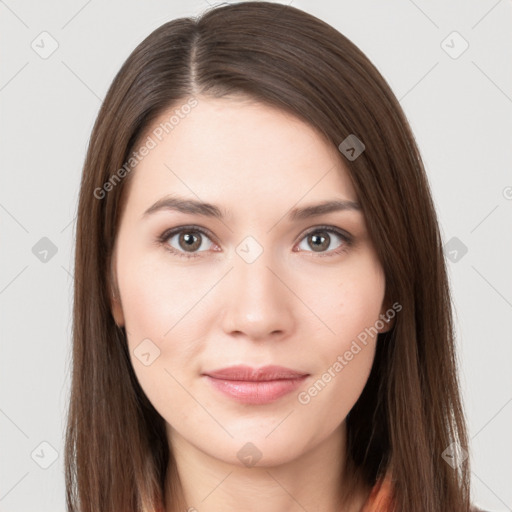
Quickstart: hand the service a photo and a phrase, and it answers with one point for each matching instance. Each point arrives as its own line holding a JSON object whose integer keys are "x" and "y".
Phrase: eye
{"x": 190, "y": 241}
{"x": 321, "y": 241}
{"x": 186, "y": 241}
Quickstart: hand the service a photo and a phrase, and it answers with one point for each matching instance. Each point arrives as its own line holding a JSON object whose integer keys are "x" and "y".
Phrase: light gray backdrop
{"x": 448, "y": 62}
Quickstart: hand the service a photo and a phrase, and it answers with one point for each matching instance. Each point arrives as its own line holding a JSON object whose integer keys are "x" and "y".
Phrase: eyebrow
{"x": 191, "y": 206}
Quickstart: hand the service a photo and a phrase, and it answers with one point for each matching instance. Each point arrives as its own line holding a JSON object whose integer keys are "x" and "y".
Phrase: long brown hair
{"x": 117, "y": 456}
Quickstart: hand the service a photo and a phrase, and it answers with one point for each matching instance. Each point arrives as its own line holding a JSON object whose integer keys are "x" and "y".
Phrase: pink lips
{"x": 255, "y": 385}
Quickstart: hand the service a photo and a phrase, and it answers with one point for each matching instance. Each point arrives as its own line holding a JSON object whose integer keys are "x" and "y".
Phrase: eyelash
{"x": 164, "y": 237}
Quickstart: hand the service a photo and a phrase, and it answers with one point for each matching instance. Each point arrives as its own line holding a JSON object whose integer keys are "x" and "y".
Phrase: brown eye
{"x": 186, "y": 242}
{"x": 189, "y": 241}
{"x": 319, "y": 242}
{"x": 323, "y": 241}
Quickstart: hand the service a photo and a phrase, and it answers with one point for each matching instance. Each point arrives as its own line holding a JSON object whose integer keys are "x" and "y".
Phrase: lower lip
{"x": 256, "y": 393}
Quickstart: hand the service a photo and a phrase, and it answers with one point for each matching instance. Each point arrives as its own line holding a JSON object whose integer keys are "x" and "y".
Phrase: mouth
{"x": 255, "y": 386}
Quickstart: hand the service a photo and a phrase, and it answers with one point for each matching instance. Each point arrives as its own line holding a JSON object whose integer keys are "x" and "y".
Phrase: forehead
{"x": 237, "y": 152}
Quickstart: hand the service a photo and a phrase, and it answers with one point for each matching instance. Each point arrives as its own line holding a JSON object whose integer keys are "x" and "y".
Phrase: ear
{"x": 114, "y": 296}
{"x": 117, "y": 309}
{"x": 387, "y": 316}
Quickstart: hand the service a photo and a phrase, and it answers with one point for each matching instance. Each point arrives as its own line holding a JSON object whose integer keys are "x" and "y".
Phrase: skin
{"x": 292, "y": 306}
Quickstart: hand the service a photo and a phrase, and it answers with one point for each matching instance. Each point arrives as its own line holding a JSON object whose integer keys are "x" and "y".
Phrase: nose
{"x": 258, "y": 302}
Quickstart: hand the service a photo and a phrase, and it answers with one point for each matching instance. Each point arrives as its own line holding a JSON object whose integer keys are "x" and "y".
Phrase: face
{"x": 264, "y": 281}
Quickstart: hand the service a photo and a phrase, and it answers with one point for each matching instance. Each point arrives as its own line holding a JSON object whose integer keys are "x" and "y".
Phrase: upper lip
{"x": 247, "y": 373}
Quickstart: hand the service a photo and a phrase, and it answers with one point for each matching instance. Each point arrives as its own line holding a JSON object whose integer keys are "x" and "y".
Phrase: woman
{"x": 262, "y": 317}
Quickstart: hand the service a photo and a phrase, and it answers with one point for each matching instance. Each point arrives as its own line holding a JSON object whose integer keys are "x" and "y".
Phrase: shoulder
{"x": 477, "y": 509}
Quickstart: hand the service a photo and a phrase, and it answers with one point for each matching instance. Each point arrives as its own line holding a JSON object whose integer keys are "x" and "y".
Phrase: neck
{"x": 313, "y": 481}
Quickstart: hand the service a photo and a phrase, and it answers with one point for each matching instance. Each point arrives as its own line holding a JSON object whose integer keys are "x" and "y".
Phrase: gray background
{"x": 460, "y": 110}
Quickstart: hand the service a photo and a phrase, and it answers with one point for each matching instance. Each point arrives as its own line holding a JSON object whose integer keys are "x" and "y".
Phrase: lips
{"x": 246, "y": 373}
{"x": 255, "y": 386}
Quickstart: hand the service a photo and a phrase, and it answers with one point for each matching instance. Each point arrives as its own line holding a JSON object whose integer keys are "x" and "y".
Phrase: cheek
{"x": 330, "y": 395}
{"x": 348, "y": 301}
{"x": 164, "y": 332}
{"x": 344, "y": 360}
{"x": 351, "y": 309}
{"x": 159, "y": 300}
{"x": 166, "y": 310}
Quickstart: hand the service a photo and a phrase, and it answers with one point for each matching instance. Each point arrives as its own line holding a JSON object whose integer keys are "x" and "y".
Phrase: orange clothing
{"x": 380, "y": 499}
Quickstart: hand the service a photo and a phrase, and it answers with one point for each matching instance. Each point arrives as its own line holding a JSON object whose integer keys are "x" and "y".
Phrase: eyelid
{"x": 331, "y": 229}
{"x": 345, "y": 236}
{"x": 164, "y": 237}
{"x": 191, "y": 227}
